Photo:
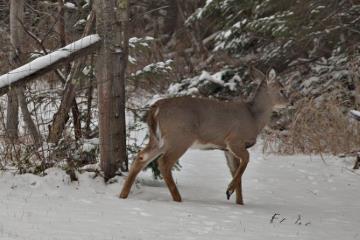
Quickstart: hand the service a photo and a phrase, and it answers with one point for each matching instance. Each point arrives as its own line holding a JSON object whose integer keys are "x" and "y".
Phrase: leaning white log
{"x": 44, "y": 64}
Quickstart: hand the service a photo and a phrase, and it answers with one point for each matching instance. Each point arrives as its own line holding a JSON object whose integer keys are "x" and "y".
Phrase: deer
{"x": 179, "y": 123}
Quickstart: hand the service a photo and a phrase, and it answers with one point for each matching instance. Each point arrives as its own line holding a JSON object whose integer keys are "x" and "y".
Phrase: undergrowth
{"x": 317, "y": 128}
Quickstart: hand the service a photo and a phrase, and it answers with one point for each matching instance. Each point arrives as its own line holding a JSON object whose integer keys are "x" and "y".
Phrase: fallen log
{"x": 47, "y": 63}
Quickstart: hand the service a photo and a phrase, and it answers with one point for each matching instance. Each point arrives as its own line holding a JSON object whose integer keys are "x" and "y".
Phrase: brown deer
{"x": 176, "y": 124}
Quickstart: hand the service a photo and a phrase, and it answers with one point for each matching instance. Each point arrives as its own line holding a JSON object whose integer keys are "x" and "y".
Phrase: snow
{"x": 200, "y": 11}
{"x": 192, "y": 91}
{"x": 148, "y": 38}
{"x": 132, "y": 60}
{"x": 355, "y": 114}
{"x": 232, "y": 83}
{"x": 215, "y": 78}
{"x": 174, "y": 88}
{"x": 80, "y": 22}
{"x": 306, "y": 198}
{"x": 158, "y": 67}
{"x": 70, "y": 5}
{"x": 204, "y": 76}
{"x": 44, "y": 61}
{"x": 90, "y": 145}
{"x": 141, "y": 41}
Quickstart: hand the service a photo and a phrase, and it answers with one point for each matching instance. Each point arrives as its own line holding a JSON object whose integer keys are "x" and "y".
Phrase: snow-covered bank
{"x": 308, "y": 200}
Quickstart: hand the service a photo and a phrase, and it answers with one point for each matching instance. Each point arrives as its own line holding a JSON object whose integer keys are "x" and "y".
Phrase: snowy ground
{"x": 312, "y": 200}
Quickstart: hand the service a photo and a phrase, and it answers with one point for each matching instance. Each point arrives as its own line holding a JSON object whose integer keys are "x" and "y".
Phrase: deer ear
{"x": 256, "y": 74}
{"x": 271, "y": 75}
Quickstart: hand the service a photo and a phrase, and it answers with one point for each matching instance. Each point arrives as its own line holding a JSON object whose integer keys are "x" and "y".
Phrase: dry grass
{"x": 317, "y": 129}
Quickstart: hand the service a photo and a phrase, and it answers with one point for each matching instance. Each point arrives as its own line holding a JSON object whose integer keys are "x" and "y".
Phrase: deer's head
{"x": 270, "y": 87}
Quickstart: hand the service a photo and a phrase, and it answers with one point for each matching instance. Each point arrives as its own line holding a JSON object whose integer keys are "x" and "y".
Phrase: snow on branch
{"x": 46, "y": 63}
{"x": 355, "y": 114}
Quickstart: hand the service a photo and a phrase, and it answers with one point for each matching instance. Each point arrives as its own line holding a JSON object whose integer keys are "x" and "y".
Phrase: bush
{"x": 317, "y": 129}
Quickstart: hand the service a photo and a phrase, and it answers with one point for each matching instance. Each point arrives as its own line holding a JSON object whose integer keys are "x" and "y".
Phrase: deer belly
{"x": 204, "y": 146}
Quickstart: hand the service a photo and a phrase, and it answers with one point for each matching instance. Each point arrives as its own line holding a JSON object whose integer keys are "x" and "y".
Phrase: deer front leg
{"x": 233, "y": 164}
{"x": 243, "y": 155}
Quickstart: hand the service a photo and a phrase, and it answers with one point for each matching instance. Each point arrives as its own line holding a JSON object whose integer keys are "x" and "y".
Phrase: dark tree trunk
{"x": 357, "y": 161}
{"x": 171, "y": 18}
{"x": 76, "y": 119}
{"x": 122, "y": 21}
{"x": 12, "y": 116}
{"x": 30, "y": 124}
{"x": 112, "y": 18}
{"x": 89, "y": 93}
{"x": 17, "y": 96}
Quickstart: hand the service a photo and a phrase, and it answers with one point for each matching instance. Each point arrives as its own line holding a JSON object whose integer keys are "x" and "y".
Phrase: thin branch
{"x": 148, "y": 12}
{"x": 41, "y": 45}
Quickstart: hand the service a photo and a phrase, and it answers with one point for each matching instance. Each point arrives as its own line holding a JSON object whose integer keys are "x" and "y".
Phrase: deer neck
{"x": 261, "y": 106}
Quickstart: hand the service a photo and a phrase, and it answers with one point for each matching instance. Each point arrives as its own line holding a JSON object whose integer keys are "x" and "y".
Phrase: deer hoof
{"x": 240, "y": 202}
{"x": 122, "y": 195}
{"x": 228, "y": 194}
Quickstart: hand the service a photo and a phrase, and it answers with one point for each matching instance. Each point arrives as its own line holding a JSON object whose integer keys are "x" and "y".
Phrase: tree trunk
{"x": 171, "y": 19}
{"x": 89, "y": 93}
{"x": 17, "y": 95}
{"x": 357, "y": 161}
{"x": 27, "y": 117}
{"x": 61, "y": 23}
{"x": 120, "y": 98}
{"x": 112, "y": 18}
{"x": 76, "y": 120}
{"x": 12, "y": 116}
{"x": 193, "y": 34}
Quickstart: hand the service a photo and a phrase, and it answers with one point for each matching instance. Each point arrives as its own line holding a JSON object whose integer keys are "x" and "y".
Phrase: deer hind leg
{"x": 150, "y": 153}
{"x": 239, "y": 152}
{"x": 233, "y": 164}
{"x": 166, "y": 163}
